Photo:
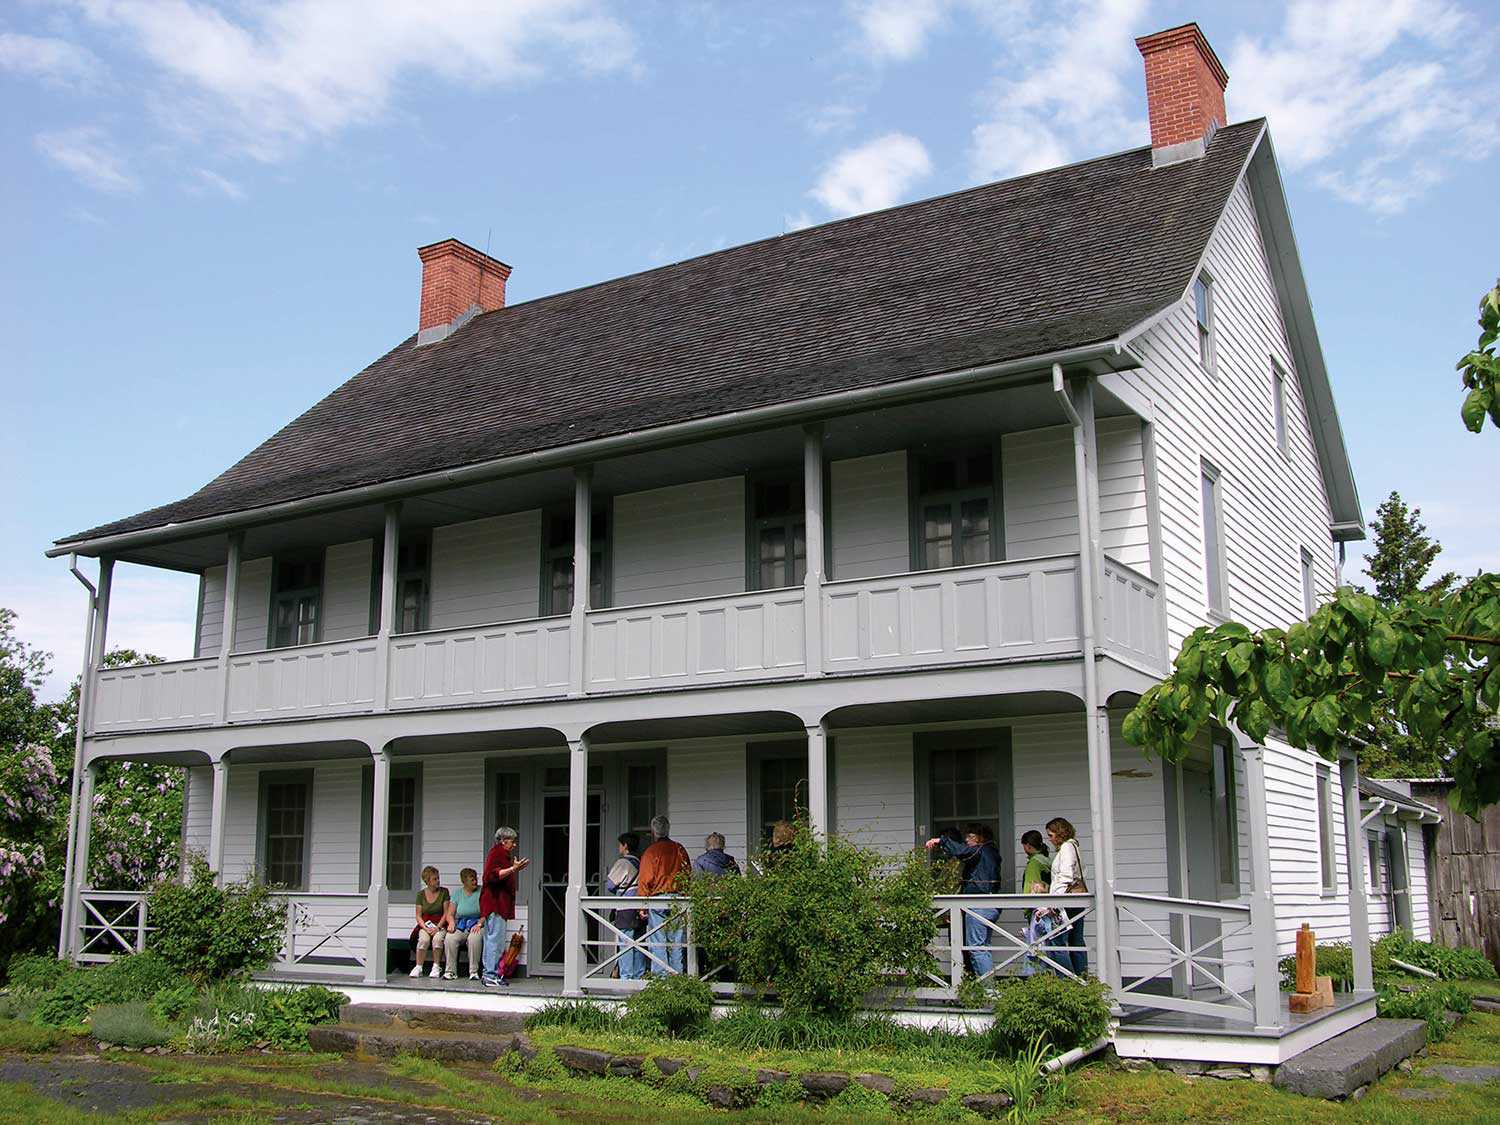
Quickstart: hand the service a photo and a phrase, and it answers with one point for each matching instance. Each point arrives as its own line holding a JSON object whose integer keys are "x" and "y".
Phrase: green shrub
{"x": 139, "y": 976}
{"x": 1429, "y": 1002}
{"x": 822, "y": 926}
{"x": 17, "y": 1005}
{"x": 67, "y": 1005}
{"x": 585, "y": 1015}
{"x": 1335, "y": 959}
{"x": 1061, "y": 1013}
{"x": 751, "y": 1028}
{"x": 1464, "y": 963}
{"x": 289, "y": 1012}
{"x": 35, "y": 972}
{"x": 170, "y": 1003}
{"x": 677, "y": 1006}
{"x": 127, "y": 1025}
{"x": 210, "y": 932}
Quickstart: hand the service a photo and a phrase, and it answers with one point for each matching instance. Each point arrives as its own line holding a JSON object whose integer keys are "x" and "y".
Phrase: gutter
{"x": 806, "y": 410}
{"x": 1380, "y": 807}
{"x": 85, "y": 685}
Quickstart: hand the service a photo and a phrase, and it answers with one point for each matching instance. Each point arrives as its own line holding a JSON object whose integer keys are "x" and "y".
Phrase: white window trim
{"x": 1307, "y": 574}
{"x": 1280, "y": 426}
{"x": 1327, "y": 842}
{"x": 1214, "y": 567}
{"x": 1210, "y": 364}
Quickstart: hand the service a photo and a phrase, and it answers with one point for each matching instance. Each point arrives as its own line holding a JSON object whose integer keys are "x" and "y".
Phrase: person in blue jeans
{"x": 497, "y": 900}
{"x": 630, "y": 921}
{"x": 979, "y": 860}
{"x": 1067, "y": 879}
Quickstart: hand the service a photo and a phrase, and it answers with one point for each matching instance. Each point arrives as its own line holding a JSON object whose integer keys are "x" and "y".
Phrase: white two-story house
{"x": 886, "y": 523}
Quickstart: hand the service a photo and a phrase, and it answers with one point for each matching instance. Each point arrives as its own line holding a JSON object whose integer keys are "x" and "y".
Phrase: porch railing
{"x": 661, "y": 946}
{"x": 110, "y": 924}
{"x": 481, "y": 664}
{"x": 1132, "y": 615}
{"x": 322, "y": 679}
{"x": 1201, "y": 969}
{"x": 326, "y": 929}
{"x": 182, "y": 693}
{"x": 1000, "y": 928}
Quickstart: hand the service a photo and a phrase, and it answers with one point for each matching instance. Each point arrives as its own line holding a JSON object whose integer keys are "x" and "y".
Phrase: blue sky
{"x": 211, "y": 211}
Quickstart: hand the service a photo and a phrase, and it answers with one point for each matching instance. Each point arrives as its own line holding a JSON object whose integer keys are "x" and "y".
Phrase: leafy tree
{"x": 1426, "y": 661}
{"x": 1481, "y": 367}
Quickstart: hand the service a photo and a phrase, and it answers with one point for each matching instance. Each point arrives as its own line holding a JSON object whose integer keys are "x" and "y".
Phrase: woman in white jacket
{"x": 1067, "y": 879}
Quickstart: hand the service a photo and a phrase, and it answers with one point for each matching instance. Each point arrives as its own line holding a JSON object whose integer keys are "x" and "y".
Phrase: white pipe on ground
{"x": 1077, "y": 1054}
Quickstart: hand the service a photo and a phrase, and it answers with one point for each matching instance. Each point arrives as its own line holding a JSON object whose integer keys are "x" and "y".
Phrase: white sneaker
{"x": 473, "y": 976}
{"x": 436, "y": 972}
{"x": 416, "y": 971}
{"x": 450, "y": 975}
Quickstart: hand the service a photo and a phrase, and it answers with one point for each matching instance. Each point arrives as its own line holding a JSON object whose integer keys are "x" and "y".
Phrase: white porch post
{"x": 1264, "y": 950}
{"x": 85, "y": 696}
{"x": 81, "y": 854}
{"x": 378, "y": 904}
{"x": 216, "y": 816}
{"x": 583, "y": 552}
{"x": 231, "y": 618}
{"x": 578, "y": 788}
{"x": 812, "y": 582}
{"x": 1359, "y": 907}
{"x": 389, "y": 565}
{"x": 817, "y": 779}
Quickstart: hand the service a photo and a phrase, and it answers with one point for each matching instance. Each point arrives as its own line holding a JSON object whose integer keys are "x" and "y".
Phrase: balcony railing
{"x": 1021, "y": 610}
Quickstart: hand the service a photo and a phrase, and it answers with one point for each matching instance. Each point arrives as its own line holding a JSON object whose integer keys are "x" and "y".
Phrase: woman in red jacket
{"x": 497, "y": 899}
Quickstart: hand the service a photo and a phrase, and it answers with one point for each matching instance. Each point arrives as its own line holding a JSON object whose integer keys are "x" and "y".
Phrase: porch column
{"x": 817, "y": 779}
{"x": 216, "y": 815}
{"x": 1263, "y": 945}
{"x": 1359, "y": 907}
{"x": 231, "y": 618}
{"x": 578, "y": 788}
{"x": 81, "y": 854}
{"x": 812, "y": 582}
{"x": 389, "y": 565}
{"x": 85, "y": 698}
{"x": 378, "y": 904}
{"x": 583, "y": 557}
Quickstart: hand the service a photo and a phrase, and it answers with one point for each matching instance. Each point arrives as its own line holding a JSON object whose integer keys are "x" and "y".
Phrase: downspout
{"x": 84, "y": 693}
{"x": 1088, "y": 552}
{"x": 1077, "y": 1054}
{"x": 1382, "y": 806}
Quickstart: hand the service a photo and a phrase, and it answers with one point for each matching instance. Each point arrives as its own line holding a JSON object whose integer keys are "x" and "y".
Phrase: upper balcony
{"x": 949, "y": 535}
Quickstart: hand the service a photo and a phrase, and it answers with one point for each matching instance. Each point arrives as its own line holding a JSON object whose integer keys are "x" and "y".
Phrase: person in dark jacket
{"x": 979, "y": 862}
{"x": 715, "y": 860}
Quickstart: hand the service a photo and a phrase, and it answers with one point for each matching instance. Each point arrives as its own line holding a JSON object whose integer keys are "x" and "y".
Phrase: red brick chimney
{"x": 1184, "y": 92}
{"x": 457, "y": 282}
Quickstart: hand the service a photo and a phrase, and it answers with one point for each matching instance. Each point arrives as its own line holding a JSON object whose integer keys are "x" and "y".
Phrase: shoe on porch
{"x": 450, "y": 975}
{"x": 416, "y": 971}
{"x": 436, "y": 971}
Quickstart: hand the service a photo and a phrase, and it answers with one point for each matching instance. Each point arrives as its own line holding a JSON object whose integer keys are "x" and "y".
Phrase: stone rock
{"x": 1487, "y": 1003}
{"x": 721, "y": 1097}
{"x": 824, "y": 1084}
{"x": 926, "y": 1095}
{"x": 1463, "y": 1075}
{"x": 1137, "y": 1065}
{"x": 1359, "y": 1093}
{"x": 1405, "y": 1066}
{"x": 523, "y": 1047}
{"x": 768, "y": 1077}
{"x": 667, "y": 1066}
{"x": 880, "y": 1083}
{"x": 1341, "y": 1065}
{"x": 626, "y": 1066}
{"x": 583, "y": 1059}
{"x": 1228, "y": 1072}
{"x": 1185, "y": 1067}
{"x": 1412, "y": 1095}
{"x": 1262, "y": 1073}
{"x": 989, "y": 1105}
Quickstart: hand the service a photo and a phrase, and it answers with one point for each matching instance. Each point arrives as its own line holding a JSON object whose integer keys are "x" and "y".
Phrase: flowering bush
{"x": 208, "y": 932}
{"x": 32, "y": 847}
{"x": 137, "y": 830}
{"x": 222, "y": 1031}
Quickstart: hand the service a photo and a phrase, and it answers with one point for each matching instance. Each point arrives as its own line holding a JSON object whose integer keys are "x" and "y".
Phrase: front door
{"x": 554, "y": 862}
{"x": 1202, "y": 867}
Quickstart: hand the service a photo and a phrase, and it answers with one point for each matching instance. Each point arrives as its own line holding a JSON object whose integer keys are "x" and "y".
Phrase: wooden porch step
{"x": 443, "y": 1034}
{"x": 1339, "y": 1066}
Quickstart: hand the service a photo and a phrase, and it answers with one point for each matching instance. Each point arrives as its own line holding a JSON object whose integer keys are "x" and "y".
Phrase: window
{"x": 557, "y": 562}
{"x": 296, "y": 600}
{"x": 1203, "y": 309}
{"x": 1278, "y": 404}
{"x": 964, "y": 778}
{"x": 412, "y": 590}
{"x": 954, "y": 514}
{"x": 642, "y": 795}
{"x": 507, "y": 801}
{"x": 1213, "y": 539}
{"x": 1374, "y": 846}
{"x": 1226, "y": 816}
{"x": 284, "y": 802}
{"x": 403, "y": 828}
{"x": 1324, "y": 782}
{"x": 780, "y": 787}
{"x": 1309, "y": 593}
{"x": 778, "y": 533}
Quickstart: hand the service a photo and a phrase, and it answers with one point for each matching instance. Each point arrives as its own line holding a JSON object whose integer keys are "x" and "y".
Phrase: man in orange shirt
{"x": 663, "y": 864}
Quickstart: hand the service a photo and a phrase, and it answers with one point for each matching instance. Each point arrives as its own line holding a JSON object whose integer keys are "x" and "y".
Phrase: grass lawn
{"x": 308, "y": 1087}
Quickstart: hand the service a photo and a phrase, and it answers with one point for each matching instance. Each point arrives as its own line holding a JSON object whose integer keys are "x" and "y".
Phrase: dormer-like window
{"x": 1278, "y": 404}
{"x": 1203, "y": 310}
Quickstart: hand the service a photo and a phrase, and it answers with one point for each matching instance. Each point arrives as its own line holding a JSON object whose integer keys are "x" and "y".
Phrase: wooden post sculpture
{"x": 1312, "y": 991}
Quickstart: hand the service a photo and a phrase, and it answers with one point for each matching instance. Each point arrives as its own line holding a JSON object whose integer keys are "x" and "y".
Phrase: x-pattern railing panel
{"x": 118, "y": 925}
{"x": 613, "y": 943}
{"x": 305, "y": 920}
{"x": 1204, "y": 959}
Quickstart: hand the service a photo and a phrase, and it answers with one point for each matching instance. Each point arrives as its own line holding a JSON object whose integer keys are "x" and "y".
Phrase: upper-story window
{"x": 296, "y": 601}
{"x": 1203, "y": 309}
{"x": 778, "y": 532}
{"x": 1226, "y": 815}
{"x": 1323, "y": 782}
{"x": 1278, "y": 404}
{"x": 413, "y": 570}
{"x": 1309, "y": 591}
{"x": 1213, "y": 539}
{"x": 955, "y": 510}
{"x": 557, "y": 561}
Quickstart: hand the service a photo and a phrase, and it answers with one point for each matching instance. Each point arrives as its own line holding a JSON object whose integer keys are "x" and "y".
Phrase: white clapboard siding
{"x": 683, "y": 541}
{"x": 346, "y": 590}
{"x": 1296, "y": 875}
{"x": 252, "y": 606}
{"x": 868, "y": 517}
{"x": 1381, "y": 922}
{"x": 707, "y": 792}
{"x": 1123, "y": 524}
{"x": 1416, "y": 861}
{"x": 197, "y": 809}
{"x": 1274, "y": 504}
{"x": 1040, "y": 493}
{"x": 210, "y": 613}
{"x": 240, "y": 824}
{"x": 873, "y": 790}
{"x": 487, "y": 570}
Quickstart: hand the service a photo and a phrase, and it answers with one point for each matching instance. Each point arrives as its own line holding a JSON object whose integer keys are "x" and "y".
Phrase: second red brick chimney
{"x": 1184, "y": 92}
{"x": 457, "y": 282}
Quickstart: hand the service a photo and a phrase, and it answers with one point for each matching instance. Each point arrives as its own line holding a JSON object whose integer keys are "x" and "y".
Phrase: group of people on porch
{"x": 478, "y": 917}
{"x": 1054, "y": 935}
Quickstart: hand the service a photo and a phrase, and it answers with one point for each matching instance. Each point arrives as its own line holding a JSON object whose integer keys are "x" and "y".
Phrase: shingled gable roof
{"x": 1027, "y": 266}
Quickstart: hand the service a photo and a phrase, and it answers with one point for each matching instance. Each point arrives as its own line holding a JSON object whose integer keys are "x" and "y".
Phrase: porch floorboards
{"x": 1185, "y": 1023}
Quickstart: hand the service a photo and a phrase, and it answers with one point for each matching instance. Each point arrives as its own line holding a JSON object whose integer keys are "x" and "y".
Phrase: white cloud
{"x": 1376, "y": 100}
{"x": 267, "y": 78}
{"x": 222, "y": 184}
{"x": 54, "y": 61}
{"x": 897, "y": 30}
{"x": 873, "y": 175}
{"x": 90, "y": 156}
{"x": 1063, "y": 89}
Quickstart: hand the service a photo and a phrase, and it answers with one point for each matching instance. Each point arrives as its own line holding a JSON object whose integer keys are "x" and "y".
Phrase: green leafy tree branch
{"x": 1481, "y": 367}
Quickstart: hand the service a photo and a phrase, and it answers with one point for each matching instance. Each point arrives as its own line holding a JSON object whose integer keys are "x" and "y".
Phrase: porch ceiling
{"x": 701, "y": 726}
{"x": 973, "y": 708}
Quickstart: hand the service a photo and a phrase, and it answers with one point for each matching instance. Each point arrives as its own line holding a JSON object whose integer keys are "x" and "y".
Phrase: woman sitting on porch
{"x": 1067, "y": 879}
{"x": 466, "y": 925}
{"x": 434, "y": 922}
